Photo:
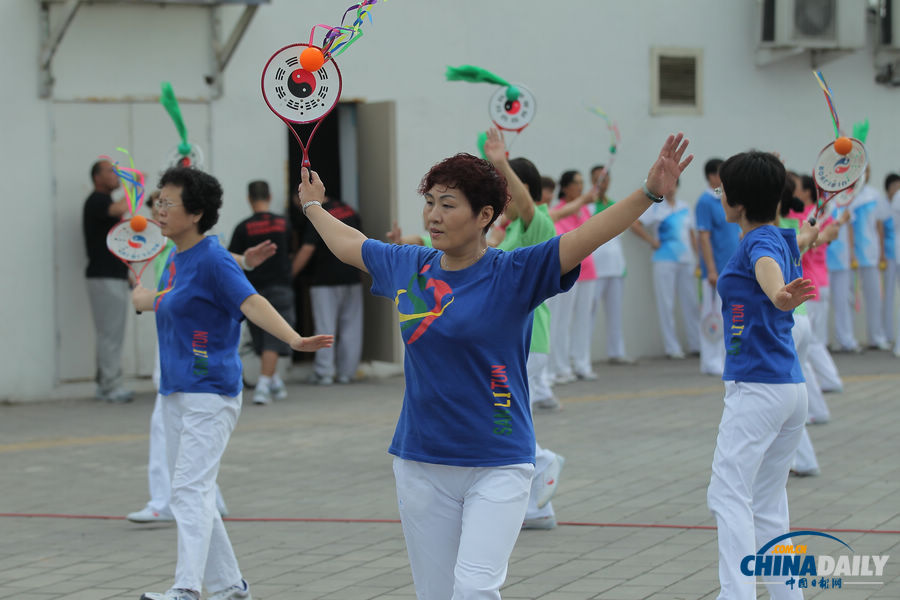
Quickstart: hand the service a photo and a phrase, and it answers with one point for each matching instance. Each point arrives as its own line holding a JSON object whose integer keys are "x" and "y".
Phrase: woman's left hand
{"x": 794, "y": 294}
{"x": 663, "y": 176}
{"x": 312, "y": 343}
{"x": 260, "y": 253}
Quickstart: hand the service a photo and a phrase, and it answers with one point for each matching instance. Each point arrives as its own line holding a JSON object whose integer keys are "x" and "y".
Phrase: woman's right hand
{"x": 311, "y": 187}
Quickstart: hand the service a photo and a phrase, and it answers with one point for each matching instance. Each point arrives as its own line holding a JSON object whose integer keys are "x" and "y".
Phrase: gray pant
{"x": 337, "y": 310}
{"x": 109, "y": 305}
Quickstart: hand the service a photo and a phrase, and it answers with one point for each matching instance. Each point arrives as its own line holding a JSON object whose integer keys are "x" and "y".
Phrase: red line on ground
{"x": 395, "y": 521}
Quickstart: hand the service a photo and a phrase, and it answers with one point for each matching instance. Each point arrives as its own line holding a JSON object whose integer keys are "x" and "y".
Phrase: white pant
{"x": 338, "y": 310}
{"x": 671, "y": 279}
{"x": 570, "y": 332}
{"x": 805, "y": 458}
{"x": 890, "y": 283}
{"x": 460, "y": 526}
{"x": 712, "y": 336}
{"x": 842, "y": 303}
{"x": 611, "y": 291}
{"x": 870, "y": 283}
{"x": 158, "y": 478}
{"x": 537, "y": 368}
{"x": 198, "y": 427}
{"x": 819, "y": 357}
{"x": 761, "y": 427}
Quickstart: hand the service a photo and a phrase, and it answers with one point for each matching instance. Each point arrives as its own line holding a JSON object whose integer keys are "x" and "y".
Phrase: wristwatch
{"x": 650, "y": 194}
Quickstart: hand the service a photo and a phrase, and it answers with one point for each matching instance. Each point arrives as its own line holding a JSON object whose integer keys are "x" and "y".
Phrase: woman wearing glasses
{"x": 203, "y": 296}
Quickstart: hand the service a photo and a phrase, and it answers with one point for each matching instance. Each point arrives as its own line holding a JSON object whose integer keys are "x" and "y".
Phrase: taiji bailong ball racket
{"x": 511, "y": 108}
{"x": 301, "y": 83}
{"x": 614, "y": 140}
{"x": 184, "y": 154}
{"x": 840, "y": 164}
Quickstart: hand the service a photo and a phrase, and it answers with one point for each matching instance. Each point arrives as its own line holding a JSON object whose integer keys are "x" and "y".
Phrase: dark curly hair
{"x": 476, "y": 178}
{"x": 201, "y": 194}
{"x": 754, "y": 180}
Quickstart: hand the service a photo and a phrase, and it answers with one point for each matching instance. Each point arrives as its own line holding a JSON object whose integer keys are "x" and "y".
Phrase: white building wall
{"x": 569, "y": 53}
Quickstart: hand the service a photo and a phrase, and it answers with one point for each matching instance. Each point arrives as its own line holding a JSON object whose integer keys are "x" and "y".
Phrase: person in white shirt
{"x": 868, "y": 248}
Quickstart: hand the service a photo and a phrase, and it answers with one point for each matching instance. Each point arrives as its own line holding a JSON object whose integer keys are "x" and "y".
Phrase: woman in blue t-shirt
{"x": 765, "y": 397}
{"x": 464, "y": 443}
{"x": 202, "y": 298}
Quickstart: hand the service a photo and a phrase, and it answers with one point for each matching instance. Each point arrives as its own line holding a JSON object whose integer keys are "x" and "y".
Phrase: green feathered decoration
{"x": 482, "y": 140}
{"x": 170, "y": 103}
{"x": 474, "y": 74}
{"x": 861, "y": 130}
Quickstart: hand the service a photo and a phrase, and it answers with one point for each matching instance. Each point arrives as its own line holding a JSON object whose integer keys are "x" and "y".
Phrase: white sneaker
{"x": 172, "y": 594}
{"x": 549, "y": 404}
{"x": 589, "y": 376}
{"x": 148, "y": 515}
{"x": 563, "y": 379}
{"x": 240, "y": 591}
{"x": 262, "y": 395}
{"x": 344, "y": 379}
{"x": 278, "y": 390}
{"x": 548, "y": 522}
{"x": 316, "y": 379}
{"x": 545, "y": 483}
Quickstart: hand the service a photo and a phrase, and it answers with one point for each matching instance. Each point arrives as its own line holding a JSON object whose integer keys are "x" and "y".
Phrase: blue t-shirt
{"x": 466, "y": 334}
{"x": 723, "y": 236}
{"x": 671, "y": 225}
{"x": 758, "y": 342}
{"x": 198, "y": 320}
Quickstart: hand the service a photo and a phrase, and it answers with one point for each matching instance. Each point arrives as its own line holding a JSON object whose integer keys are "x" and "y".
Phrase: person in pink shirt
{"x": 815, "y": 268}
{"x": 570, "y": 313}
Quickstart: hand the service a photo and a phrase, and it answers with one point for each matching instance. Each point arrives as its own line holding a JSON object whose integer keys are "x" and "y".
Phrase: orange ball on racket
{"x": 138, "y": 223}
{"x": 312, "y": 59}
{"x": 843, "y": 146}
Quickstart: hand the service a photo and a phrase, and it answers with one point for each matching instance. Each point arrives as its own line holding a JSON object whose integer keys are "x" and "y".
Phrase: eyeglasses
{"x": 167, "y": 205}
{"x": 719, "y": 191}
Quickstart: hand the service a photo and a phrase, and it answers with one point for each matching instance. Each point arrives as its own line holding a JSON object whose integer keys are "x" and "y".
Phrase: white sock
{"x": 264, "y": 382}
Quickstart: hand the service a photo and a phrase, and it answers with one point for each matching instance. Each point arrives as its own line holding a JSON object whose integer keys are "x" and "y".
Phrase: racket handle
{"x": 137, "y": 312}
{"x": 812, "y": 220}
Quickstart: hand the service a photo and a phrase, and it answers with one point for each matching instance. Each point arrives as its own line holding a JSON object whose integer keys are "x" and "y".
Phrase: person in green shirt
{"x": 530, "y": 224}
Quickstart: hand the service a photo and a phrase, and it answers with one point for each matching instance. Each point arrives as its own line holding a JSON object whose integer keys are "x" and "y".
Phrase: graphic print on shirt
{"x": 502, "y": 398}
{"x": 737, "y": 329}
{"x": 165, "y": 288}
{"x": 671, "y": 235}
{"x": 414, "y": 307}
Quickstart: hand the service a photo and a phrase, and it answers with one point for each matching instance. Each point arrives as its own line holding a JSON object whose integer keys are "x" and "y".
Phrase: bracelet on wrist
{"x": 310, "y": 203}
{"x": 650, "y": 195}
{"x": 244, "y": 265}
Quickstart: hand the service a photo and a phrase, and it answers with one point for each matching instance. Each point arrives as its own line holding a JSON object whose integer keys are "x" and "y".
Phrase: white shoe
{"x": 546, "y": 482}
{"x": 548, "y": 522}
{"x": 589, "y": 376}
{"x": 172, "y": 594}
{"x": 550, "y": 404}
{"x": 344, "y": 379}
{"x": 675, "y": 356}
{"x": 316, "y": 379}
{"x": 278, "y": 390}
{"x": 240, "y": 591}
{"x": 148, "y": 515}
{"x": 563, "y": 379}
{"x": 262, "y": 395}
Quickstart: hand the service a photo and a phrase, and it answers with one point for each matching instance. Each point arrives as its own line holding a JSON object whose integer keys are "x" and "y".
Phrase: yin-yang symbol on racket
{"x": 298, "y": 95}
{"x": 512, "y": 114}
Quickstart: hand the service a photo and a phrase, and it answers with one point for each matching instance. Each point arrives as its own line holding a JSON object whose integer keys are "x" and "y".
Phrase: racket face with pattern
{"x": 194, "y": 159}
{"x": 295, "y": 94}
{"x": 834, "y": 172}
{"x": 512, "y": 115}
{"x": 132, "y": 246}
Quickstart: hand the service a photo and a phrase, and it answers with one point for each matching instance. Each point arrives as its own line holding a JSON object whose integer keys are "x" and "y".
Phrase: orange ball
{"x": 843, "y": 146}
{"x": 138, "y": 223}
{"x": 312, "y": 59}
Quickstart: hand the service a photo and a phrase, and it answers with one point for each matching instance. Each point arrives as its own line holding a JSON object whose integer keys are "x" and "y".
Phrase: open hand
{"x": 312, "y": 343}
{"x": 663, "y": 176}
{"x": 794, "y": 294}
{"x": 260, "y": 253}
{"x": 495, "y": 146}
{"x": 395, "y": 235}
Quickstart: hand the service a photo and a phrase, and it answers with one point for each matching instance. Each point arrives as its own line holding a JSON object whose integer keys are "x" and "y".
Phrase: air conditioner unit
{"x": 813, "y": 24}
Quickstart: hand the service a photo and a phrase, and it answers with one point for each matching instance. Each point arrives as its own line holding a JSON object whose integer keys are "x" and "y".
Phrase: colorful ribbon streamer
{"x": 830, "y": 100}
{"x": 132, "y": 181}
{"x": 340, "y": 37}
{"x": 614, "y": 139}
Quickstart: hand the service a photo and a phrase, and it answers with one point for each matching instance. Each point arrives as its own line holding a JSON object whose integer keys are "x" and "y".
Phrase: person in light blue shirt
{"x": 717, "y": 241}
{"x": 669, "y": 229}
{"x": 888, "y": 261}
{"x": 868, "y": 248}
{"x": 765, "y": 394}
{"x": 840, "y": 258}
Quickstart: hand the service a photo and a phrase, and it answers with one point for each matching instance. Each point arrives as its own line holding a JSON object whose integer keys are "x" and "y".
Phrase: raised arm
{"x": 520, "y": 198}
{"x": 344, "y": 241}
{"x": 662, "y": 179}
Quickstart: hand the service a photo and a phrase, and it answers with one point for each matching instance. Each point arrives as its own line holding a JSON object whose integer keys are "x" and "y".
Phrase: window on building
{"x": 676, "y": 81}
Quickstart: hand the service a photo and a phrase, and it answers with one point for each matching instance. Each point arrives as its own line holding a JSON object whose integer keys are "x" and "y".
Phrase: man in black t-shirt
{"x": 272, "y": 280}
{"x": 336, "y": 295}
{"x": 107, "y": 281}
